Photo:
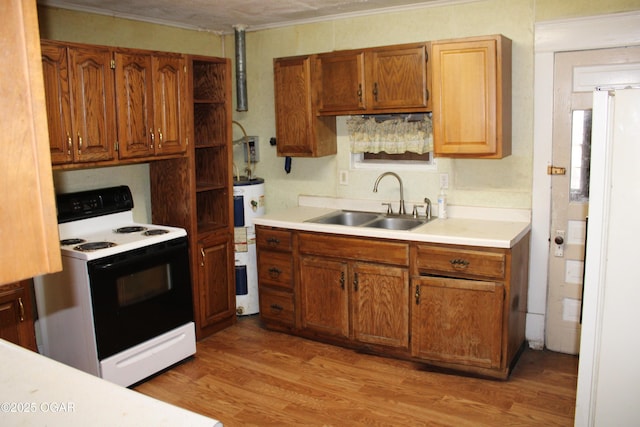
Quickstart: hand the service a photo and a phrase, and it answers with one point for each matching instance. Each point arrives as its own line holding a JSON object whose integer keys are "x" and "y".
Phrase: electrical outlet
{"x": 344, "y": 177}
{"x": 444, "y": 181}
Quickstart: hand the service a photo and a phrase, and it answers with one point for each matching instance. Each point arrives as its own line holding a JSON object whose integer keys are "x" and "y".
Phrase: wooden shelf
{"x": 213, "y": 242}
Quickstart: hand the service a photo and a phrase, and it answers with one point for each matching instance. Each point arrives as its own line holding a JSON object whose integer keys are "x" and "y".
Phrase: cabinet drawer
{"x": 276, "y": 306}
{"x": 274, "y": 239}
{"x": 275, "y": 268}
{"x": 385, "y": 252}
{"x": 459, "y": 262}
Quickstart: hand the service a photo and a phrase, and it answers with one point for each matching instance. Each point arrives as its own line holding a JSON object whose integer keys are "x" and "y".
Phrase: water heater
{"x": 248, "y": 203}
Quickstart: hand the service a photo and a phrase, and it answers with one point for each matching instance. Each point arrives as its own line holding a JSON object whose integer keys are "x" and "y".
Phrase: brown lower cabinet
{"x": 16, "y": 314}
{"x": 461, "y": 308}
{"x": 216, "y": 302}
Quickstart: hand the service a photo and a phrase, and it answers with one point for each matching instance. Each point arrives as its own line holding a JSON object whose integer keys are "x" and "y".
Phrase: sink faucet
{"x": 375, "y": 189}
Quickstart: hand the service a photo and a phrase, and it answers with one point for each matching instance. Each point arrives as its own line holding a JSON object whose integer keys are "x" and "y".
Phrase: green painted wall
{"x": 547, "y": 10}
{"x": 66, "y": 25}
{"x": 495, "y": 183}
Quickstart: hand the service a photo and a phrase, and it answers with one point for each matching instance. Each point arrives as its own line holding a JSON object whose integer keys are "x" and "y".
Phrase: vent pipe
{"x": 241, "y": 72}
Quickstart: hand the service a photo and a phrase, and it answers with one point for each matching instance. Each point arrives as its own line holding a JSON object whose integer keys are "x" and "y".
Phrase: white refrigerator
{"x": 608, "y": 392}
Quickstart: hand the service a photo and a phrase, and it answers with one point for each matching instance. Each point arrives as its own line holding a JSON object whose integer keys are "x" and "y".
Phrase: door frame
{"x": 595, "y": 32}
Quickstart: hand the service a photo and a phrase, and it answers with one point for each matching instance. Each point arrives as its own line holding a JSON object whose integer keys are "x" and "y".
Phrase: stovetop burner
{"x": 67, "y": 242}
{"x": 155, "y": 232}
{"x": 98, "y": 223}
{"x": 131, "y": 229}
{"x": 94, "y": 246}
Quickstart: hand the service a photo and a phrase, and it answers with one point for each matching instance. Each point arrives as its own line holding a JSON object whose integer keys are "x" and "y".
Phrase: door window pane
{"x": 580, "y": 155}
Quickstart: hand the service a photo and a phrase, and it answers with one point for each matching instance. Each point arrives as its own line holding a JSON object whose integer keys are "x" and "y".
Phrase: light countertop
{"x": 38, "y": 391}
{"x": 499, "y": 228}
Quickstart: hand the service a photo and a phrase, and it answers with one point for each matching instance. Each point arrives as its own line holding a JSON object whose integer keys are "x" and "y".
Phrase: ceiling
{"x": 221, "y": 15}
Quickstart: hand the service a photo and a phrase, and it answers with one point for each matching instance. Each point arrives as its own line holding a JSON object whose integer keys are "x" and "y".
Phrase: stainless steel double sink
{"x": 370, "y": 219}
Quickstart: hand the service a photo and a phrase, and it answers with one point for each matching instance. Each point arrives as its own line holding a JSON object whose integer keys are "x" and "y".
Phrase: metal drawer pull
{"x": 273, "y": 241}
{"x": 276, "y": 307}
{"x": 459, "y": 264}
{"x": 21, "y": 309}
{"x": 417, "y": 294}
{"x": 274, "y": 272}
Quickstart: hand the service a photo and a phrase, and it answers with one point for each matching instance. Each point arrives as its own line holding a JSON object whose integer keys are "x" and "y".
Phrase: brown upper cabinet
{"x": 299, "y": 133}
{"x": 79, "y": 92}
{"x": 107, "y": 106}
{"x": 150, "y": 91}
{"x": 373, "y": 81}
{"x": 30, "y": 245}
{"x": 465, "y": 83}
{"x": 472, "y": 97}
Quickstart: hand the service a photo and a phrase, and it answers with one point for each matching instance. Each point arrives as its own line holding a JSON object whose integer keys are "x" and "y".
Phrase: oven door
{"x": 140, "y": 294}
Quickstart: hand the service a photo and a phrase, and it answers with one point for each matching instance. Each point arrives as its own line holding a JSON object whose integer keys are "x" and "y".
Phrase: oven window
{"x": 143, "y": 285}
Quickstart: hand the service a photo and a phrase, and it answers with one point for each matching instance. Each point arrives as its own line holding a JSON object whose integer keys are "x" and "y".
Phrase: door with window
{"x": 576, "y": 75}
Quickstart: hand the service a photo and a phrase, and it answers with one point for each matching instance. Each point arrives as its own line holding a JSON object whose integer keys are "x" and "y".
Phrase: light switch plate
{"x": 444, "y": 181}
{"x": 344, "y": 177}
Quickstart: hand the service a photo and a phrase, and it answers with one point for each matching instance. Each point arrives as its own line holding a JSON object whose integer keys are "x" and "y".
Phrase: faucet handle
{"x": 415, "y": 210}
{"x": 428, "y": 210}
{"x": 389, "y": 210}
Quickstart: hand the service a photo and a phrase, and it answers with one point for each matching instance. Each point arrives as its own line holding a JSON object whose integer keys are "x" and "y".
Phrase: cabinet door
{"x": 216, "y": 281}
{"x": 340, "y": 84}
{"x": 457, "y": 321}
{"x": 380, "y": 296}
{"x": 472, "y": 97}
{"x": 56, "y": 86}
{"x": 16, "y": 320}
{"x": 324, "y": 296}
{"x": 29, "y": 245}
{"x": 93, "y": 114}
{"x": 169, "y": 89}
{"x": 134, "y": 99}
{"x": 293, "y": 106}
{"x": 398, "y": 78}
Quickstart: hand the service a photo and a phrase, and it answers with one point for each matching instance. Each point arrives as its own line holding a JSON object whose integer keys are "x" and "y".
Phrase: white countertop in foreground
{"x": 38, "y": 391}
{"x": 503, "y": 232}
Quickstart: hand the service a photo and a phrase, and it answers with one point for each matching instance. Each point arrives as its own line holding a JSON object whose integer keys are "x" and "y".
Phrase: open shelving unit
{"x": 212, "y": 246}
{"x": 211, "y": 132}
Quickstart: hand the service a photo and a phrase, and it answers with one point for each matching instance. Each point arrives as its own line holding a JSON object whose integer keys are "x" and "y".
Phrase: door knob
{"x": 559, "y": 240}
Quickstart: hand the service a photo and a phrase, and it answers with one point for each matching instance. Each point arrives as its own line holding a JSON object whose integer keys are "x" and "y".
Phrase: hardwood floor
{"x": 248, "y": 376}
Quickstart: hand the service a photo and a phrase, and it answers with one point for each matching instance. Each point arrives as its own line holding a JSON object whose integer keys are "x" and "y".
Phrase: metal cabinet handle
{"x": 272, "y": 241}
{"x": 417, "y": 294}
{"x": 79, "y": 143}
{"x": 21, "y": 309}
{"x": 69, "y": 144}
{"x": 153, "y": 138}
{"x": 276, "y": 307}
{"x": 355, "y": 282}
{"x": 342, "y": 279}
{"x": 202, "y": 260}
{"x": 375, "y": 91}
{"x": 274, "y": 272}
{"x": 161, "y": 138}
{"x": 360, "y": 92}
{"x": 459, "y": 263}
